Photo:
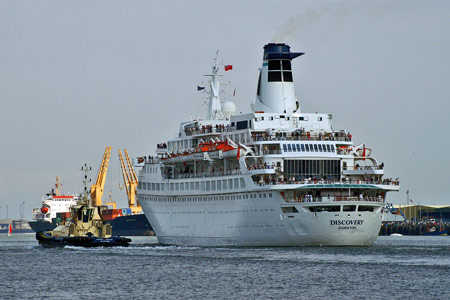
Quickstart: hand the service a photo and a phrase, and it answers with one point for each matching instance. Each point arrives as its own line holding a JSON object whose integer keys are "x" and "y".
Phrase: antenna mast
{"x": 85, "y": 169}
{"x": 214, "y": 110}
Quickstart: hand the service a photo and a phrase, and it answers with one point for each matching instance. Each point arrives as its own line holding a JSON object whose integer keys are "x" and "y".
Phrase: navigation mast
{"x": 215, "y": 109}
{"x": 85, "y": 169}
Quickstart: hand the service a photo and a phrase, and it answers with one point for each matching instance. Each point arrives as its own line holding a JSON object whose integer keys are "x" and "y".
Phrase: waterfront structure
{"x": 17, "y": 226}
{"x": 423, "y": 212}
{"x": 272, "y": 177}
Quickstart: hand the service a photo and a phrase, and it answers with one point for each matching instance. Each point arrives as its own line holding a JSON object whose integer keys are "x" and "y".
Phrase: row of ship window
{"x": 215, "y": 212}
{"x": 151, "y": 170}
{"x": 62, "y": 199}
{"x": 206, "y": 198}
{"x": 308, "y": 148}
{"x": 210, "y": 185}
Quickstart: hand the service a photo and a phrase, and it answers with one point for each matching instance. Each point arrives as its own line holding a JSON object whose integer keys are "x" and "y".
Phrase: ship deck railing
{"x": 271, "y": 151}
{"x": 311, "y": 199}
{"x": 207, "y": 129}
{"x": 263, "y": 167}
{"x": 395, "y": 182}
{"x": 152, "y": 160}
{"x": 37, "y": 214}
{"x": 353, "y": 168}
{"x": 41, "y": 217}
{"x": 264, "y": 137}
{"x": 204, "y": 174}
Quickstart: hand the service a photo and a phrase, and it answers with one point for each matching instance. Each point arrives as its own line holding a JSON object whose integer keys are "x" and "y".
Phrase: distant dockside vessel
{"x": 272, "y": 177}
{"x": 54, "y": 209}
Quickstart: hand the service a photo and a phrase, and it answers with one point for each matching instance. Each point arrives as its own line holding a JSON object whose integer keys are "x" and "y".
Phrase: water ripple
{"x": 395, "y": 268}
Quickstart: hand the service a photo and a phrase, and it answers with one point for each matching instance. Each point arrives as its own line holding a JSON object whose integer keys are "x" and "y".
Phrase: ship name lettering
{"x": 346, "y": 222}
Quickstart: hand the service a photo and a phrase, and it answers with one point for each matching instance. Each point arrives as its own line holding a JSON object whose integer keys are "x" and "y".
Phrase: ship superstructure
{"x": 53, "y": 204}
{"x": 272, "y": 177}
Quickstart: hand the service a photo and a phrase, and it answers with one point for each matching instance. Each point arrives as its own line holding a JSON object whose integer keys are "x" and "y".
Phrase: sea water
{"x": 405, "y": 267}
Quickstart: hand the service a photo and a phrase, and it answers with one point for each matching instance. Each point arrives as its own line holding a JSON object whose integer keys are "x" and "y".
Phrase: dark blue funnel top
{"x": 279, "y": 51}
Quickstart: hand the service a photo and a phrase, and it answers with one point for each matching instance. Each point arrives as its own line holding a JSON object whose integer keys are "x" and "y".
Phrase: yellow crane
{"x": 111, "y": 201}
{"x": 130, "y": 180}
{"x": 97, "y": 187}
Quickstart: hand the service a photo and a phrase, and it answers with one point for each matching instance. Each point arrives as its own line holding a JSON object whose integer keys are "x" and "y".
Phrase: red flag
{"x": 234, "y": 94}
{"x": 228, "y": 67}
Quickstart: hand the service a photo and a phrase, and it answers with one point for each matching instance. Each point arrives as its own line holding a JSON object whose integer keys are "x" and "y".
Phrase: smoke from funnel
{"x": 297, "y": 23}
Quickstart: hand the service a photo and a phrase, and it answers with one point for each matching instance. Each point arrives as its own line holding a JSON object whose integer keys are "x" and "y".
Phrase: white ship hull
{"x": 273, "y": 177}
{"x": 259, "y": 222}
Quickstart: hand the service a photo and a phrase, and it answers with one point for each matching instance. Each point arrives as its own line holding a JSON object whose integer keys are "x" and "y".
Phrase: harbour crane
{"x": 111, "y": 201}
{"x": 97, "y": 187}
{"x": 130, "y": 181}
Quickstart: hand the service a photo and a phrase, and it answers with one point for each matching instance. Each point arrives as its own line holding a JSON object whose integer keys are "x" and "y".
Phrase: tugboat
{"x": 85, "y": 228}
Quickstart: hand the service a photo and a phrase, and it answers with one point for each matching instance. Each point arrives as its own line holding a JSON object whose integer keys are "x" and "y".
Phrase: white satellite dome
{"x": 228, "y": 109}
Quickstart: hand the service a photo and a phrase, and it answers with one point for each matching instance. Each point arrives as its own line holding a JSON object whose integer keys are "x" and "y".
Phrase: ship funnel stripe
{"x": 283, "y": 55}
{"x": 279, "y": 51}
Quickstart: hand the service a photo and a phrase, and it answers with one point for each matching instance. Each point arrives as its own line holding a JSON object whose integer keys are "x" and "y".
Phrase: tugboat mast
{"x": 86, "y": 169}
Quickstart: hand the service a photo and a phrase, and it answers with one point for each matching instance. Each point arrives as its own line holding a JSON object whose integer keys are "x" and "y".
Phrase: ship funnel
{"x": 275, "y": 92}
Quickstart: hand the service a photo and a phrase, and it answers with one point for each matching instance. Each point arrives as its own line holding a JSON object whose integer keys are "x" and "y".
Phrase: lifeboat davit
{"x": 362, "y": 151}
{"x": 207, "y": 151}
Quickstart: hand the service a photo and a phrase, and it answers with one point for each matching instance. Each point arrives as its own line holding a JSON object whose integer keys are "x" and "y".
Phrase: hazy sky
{"x": 76, "y": 76}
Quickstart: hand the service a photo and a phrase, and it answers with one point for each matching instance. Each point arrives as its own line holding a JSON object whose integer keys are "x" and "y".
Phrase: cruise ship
{"x": 274, "y": 177}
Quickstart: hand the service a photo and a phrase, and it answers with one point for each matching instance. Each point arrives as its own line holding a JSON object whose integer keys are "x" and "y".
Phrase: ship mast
{"x": 214, "y": 109}
{"x": 85, "y": 169}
